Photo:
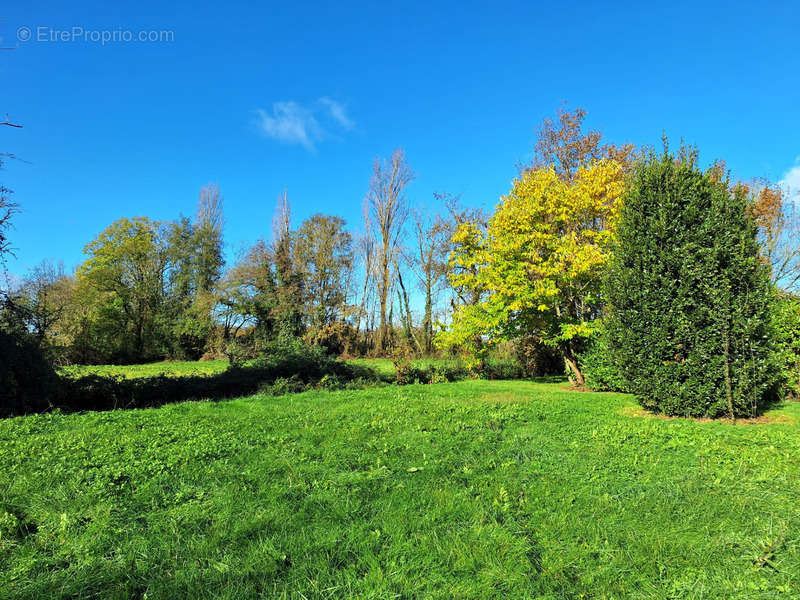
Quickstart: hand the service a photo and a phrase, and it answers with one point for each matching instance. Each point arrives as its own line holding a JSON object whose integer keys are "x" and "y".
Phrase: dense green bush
{"x": 426, "y": 371}
{"x": 287, "y": 357}
{"x": 497, "y": 367}
{"x": 537, "y": 358}
{"x": 600, "y": 369}
{"x": 787, "y": 335}
{"x": 409, "y": 370}
{"x": 27, "y": 379}
{"x": 688, "y": 297}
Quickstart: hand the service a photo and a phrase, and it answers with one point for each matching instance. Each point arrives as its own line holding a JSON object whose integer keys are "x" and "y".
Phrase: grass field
{"x": 475, "y": 489}
{"x": 382, "y": 366}
{"x": 172, "y": 368}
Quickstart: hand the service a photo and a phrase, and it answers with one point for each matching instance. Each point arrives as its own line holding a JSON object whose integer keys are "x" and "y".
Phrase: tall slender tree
{"x": 288, "y": 281}
{"x": 365, "y": 253}
{"x": 427, "y": 259}
{"x": 388, "y": 209}
{"x": 208, "y": 226}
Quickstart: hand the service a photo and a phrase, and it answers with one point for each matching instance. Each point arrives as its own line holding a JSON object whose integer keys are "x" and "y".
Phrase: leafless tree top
{"x": 386, "y": 196}
{"x": 209, "y": 208}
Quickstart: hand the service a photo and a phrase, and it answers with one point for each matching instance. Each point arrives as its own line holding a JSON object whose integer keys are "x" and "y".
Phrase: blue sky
{"x": 304, "y": 96}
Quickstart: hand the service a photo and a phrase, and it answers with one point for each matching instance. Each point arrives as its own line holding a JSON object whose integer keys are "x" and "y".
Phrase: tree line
{"x": 588, "y": 229}
{"x": 161, "y": 289}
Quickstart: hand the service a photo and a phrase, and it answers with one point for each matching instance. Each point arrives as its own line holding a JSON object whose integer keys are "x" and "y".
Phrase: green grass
{"x": 382, "y": 366}
{"x": 474, "y": 489}
{"x": 176, "y": 368}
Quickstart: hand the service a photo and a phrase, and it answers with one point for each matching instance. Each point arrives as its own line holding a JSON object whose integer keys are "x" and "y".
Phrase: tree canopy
{"x": 540, "y": 261}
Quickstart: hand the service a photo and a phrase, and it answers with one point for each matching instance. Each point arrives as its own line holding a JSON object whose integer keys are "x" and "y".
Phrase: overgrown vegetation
{"x": 601, "y": 370}
{"x": 27, "y": 379}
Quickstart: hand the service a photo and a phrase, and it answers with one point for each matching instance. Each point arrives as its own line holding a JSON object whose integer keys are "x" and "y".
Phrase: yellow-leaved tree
{"x": 538, "y": 265}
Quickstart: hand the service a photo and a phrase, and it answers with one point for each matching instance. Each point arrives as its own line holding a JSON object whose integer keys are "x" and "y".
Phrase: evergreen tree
{"x": 688, "y": 297}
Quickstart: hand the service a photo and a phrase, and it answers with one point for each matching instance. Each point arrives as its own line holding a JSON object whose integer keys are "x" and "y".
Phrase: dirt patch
{"x": 639, "y": 412}
{"x": 568, "y": 387}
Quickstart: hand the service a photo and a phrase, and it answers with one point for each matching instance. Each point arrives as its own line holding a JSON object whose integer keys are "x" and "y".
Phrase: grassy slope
{"x": 467, "y": 490}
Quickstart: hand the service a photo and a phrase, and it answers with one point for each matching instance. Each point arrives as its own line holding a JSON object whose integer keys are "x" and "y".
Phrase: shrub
{"x": 787, "y": 336}
{"x": 27, "y": 379}
{"x": 336, "y": 338}
{"x": 284, "y": 385}
{"x": 448, "y": 370}
{"x": 537, "y": 358}
{"x": 501, "y": 368}
{"x": 600, "y": 370}
{"x": 441, "y": 371}
{"x": 688, "y": 296}
{"x": 239, "y": 350}
{"x": 409, "y": 371}
{"x": 287, "y": 357}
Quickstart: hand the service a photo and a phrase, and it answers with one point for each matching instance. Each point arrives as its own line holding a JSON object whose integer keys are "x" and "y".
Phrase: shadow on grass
{"x": 550, "y": 379}
{"x": 281, "y": 373}
{"x": 96, "y": 392}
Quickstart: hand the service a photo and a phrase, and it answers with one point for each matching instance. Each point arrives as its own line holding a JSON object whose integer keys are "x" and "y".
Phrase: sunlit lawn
{"x": 173, "y": 368}
{"x": 475, "y": 489}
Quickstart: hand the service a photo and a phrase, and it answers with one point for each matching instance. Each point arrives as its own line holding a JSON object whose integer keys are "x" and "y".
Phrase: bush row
{"x": 408, "y": 372}
{"x": 288, "y": 366}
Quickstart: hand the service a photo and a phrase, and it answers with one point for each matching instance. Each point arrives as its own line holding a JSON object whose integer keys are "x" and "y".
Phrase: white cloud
{"x": 338, "y": 111}
{"x": 290, "y": 123}
{"x": 791, "y": 182}
{"x": 293, "y": 123}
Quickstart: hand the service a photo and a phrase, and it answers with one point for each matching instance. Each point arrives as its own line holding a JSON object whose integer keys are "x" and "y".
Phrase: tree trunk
{"x": 409, "y": 326}
{"x": 384, "y": 293}
{"x": 363, "y": 305}
{"x": 728, "y": 390}
{"x": 573, "y": 370}
{"x": 427, "y": 321}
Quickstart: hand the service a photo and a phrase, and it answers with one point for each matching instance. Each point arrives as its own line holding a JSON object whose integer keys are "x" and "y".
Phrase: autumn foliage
{"x": 540, "y": 261}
